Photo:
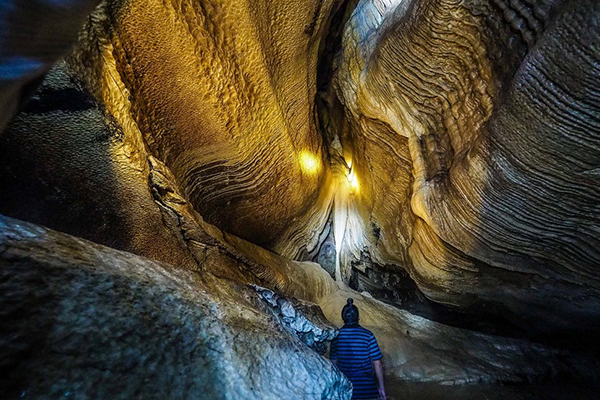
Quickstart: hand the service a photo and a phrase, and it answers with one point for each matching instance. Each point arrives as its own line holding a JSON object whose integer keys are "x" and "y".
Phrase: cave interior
{"x": 190, "y": 190}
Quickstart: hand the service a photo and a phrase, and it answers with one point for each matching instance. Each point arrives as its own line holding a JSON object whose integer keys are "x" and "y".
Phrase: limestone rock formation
{"x": 222, "y": 92}
{"x": 119, "y": 325}
{"x": 453, "y": 143}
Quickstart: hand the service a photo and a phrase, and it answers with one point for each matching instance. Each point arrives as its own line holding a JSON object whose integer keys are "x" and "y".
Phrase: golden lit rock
{"x": 222, "y": 93}
{"x": 464, "y": 121}
{"x": 309, "y": 163}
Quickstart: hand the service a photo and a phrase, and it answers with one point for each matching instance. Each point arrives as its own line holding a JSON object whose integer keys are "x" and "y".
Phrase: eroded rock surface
{"x": 474, "y": 133}
{"x": 223, "y": 94}
{"x": 303, "y": 319}
{"x": 111, "y": 322}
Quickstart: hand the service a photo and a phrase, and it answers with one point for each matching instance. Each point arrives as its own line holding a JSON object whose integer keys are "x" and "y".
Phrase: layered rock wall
{"x": 223, "y": 94}
{"x": 472, "y": 126}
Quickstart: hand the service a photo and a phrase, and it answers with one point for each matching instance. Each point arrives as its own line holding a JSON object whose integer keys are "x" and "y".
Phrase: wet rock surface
{"x": 222, "y": 93}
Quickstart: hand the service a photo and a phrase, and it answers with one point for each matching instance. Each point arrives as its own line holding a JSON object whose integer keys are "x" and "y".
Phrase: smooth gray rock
{"x": 79, "y": 320}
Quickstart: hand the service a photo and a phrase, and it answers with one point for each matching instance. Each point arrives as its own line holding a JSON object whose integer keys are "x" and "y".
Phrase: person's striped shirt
{"x": 354, "y": 349}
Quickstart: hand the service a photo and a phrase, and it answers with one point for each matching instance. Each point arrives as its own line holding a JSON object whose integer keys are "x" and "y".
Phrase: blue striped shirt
{"x": 354, "y": 349}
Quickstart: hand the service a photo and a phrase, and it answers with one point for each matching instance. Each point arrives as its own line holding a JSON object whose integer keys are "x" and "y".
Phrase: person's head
{"x": 350, "y": 313}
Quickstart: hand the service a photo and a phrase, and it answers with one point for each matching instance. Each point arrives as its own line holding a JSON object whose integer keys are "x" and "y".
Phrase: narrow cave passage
{"x": 191, "y": 190}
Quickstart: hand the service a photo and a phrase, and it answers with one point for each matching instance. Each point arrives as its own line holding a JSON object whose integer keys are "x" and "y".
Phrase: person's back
{"x": 355, "y": 352}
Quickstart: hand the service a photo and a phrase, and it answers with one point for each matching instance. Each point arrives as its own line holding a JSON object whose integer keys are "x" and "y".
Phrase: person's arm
{"x": 376, "y": 356}
{"x": 379, "y": 374}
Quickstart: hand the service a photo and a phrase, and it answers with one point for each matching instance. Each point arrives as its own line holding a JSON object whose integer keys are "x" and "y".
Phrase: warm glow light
{"x": 309, "y": 163}
{"x": 352, "y": 180}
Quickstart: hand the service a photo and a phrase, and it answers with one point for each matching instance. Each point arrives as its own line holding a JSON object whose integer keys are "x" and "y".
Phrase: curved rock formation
{"x": 112, "y": 324}
{"x": 473, "y": 127}
{"x": 223, "y": 93}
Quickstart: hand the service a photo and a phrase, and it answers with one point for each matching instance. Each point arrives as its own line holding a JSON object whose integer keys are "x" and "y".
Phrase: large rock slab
{"x": 81, "y": 320}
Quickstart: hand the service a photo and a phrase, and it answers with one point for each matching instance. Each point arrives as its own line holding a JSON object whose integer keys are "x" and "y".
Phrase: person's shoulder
{"x": 365, "y": 330}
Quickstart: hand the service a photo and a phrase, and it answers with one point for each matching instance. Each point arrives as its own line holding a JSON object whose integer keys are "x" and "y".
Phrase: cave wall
{"x": 222, "y": 93}
{"x": 110, "y": 324}
{"x": 484, "y": 115}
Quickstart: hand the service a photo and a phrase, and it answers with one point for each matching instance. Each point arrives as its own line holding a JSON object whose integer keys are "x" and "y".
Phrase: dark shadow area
{"x": 56, "y": 168}
{"x": 399, "y": 390}
{"x": 330, "y": 114}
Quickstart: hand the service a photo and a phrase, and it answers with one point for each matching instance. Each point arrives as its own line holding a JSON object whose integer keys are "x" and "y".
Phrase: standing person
{"x": 356, "y": 353}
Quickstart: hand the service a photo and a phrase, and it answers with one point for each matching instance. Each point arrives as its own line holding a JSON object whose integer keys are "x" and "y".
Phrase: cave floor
{"x": 401, "y": 390}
